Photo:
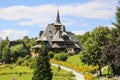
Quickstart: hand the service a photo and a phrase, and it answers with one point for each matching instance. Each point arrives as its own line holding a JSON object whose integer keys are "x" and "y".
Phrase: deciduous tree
{"x": 111, "y": 53}
{"x": 92, "y": 54}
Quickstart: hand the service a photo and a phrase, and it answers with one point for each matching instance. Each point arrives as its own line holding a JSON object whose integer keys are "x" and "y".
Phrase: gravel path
{"x": 78, "y": 76}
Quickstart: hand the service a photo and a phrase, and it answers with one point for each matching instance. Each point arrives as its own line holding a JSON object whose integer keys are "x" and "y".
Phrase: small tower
{"x": 58, "y": 23}
{"x": 58, "y": 17}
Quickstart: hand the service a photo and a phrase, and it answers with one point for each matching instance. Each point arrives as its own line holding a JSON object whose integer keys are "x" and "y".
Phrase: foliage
{"x": 0, "y": 48}
{"x": 6, "y": 55}
{"x": 61, "y": 56}
{"x": 32, "y": 63}
{"x": 111, "y": 56}
{"x": 88, "y": 76}
{"x": 20, "y": 61}
{"x": 18, "y": 51}
{"x": 29, "y": 42}
{"x": 51, "y": 54}
{"x": 42, "y": 71}
{"x": 82, "y": 39}
{"x": 111, "y": 53}
{"x": 74, "y": 67}
{"x": 3, "y": 44}
{"x": 26, "y": 61}
{"x": 92, "y": 55}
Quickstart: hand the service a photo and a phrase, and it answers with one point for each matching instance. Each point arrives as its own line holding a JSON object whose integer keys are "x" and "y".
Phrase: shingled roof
{"x": 56, "y": 36}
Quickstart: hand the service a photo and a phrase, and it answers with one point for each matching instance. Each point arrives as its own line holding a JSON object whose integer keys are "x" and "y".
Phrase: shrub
{"x": 61, "y": 57}
{"x": 20, "y": 61}
{"x": 88, "y": 76}
{"x": 27, "y": 57}
{"x": 25, "y": 63}
{"x": 33, "y": 63}
{"x": 51, "y": 54}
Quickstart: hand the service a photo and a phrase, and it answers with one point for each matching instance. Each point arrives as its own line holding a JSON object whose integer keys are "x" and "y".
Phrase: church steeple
{"x": 58, "y": 17}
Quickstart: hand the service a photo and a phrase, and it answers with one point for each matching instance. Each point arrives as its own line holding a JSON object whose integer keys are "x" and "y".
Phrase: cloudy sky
{"x": 19, "y": 18}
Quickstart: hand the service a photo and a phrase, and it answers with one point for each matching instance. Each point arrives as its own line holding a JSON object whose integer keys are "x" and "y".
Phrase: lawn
{"x": 12, "y": 72}
{"x": 75, "y": 60}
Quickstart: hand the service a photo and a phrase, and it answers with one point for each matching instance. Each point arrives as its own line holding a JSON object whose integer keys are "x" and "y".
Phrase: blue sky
{"x": 19, "y": 18}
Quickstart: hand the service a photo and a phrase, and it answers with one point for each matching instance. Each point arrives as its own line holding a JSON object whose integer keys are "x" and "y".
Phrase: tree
{"x": 0, "y": 48}
{"x": 92, "y": 54}
{"x": 6, "y": 55}
{"x": 82, "y": 39}
{"x": 26, "y": 39}
{"x": 111, "y": 53}
{"x": 4, "y": 43}
{"x": 18, "y": 51}
{"x": 42, "y": 71}
{"x": 111, "y": 56}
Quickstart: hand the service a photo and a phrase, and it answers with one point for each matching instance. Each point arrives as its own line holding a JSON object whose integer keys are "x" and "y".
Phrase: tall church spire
{"x": 58, "y": 17}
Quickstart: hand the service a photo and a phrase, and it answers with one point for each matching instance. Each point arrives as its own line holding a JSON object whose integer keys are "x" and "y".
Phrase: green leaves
{"x": 111, "y": 53}
{"x": 42, "y": 71}
{"x": 93, "y": 46}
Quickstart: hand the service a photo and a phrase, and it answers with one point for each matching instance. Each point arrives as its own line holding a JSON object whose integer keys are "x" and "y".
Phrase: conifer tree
{"x": 42, "y": 71}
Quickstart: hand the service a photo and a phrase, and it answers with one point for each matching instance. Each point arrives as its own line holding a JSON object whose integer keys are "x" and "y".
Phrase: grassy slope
{"x": 75, "y": 60}
{"x": 6, "y": 73}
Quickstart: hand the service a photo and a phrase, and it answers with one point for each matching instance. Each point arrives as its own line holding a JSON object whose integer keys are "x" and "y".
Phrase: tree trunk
{"x": 113, "y": 69}
{"x": 100, "y": 72}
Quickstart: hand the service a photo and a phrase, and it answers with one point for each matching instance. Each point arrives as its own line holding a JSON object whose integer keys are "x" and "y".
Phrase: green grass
{"x": 105, "y": 71}
{"x": 12, "y": 69}
{"x": 6, "y": 73}
{"x": 29, "y": 77}
{"x": 16, "y": 76}
{"x": 75, "y": 60}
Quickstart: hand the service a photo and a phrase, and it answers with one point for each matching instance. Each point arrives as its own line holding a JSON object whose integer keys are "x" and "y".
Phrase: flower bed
{"x": 83, "y": 70}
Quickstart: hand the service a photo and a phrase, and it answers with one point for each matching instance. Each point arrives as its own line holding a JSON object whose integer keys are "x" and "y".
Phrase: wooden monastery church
{"x": 57, "y": 39}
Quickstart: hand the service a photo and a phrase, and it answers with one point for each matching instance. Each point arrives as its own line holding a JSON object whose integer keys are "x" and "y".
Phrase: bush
{"x": 20, "y": 61}
{"x": 51, "y": 54}
{"x": 33, "y": 63}
{"x": 25, "y": 63}
{"x": 27, "y": 57}
{"x": 61, "y": 57}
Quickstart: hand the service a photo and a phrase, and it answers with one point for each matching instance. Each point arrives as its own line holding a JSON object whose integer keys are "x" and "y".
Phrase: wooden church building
{"x": 57, "y": 39}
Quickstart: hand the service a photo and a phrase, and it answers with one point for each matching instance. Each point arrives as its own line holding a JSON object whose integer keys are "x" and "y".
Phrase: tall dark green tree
{"x": 111, "y": 53}
{"x": 43, "y": 70}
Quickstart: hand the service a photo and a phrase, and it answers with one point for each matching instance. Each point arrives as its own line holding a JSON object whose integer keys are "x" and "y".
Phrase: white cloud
{"x": 43, "y": 14}
{"x": 99, "y": 9}
{"x": 110, "y": 26}
{"x": 81, "y": 32}
{"x": 13, "y": 34}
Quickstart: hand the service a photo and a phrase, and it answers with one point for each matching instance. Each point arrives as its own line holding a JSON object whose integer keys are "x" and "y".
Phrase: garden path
{"x": 78, "y": 76}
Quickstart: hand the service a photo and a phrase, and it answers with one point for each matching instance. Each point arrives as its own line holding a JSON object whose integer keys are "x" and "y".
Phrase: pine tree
{"x": 42, "y": 71}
